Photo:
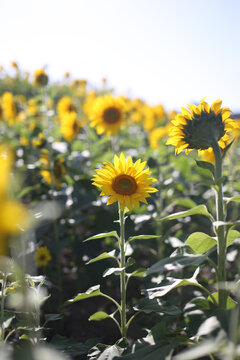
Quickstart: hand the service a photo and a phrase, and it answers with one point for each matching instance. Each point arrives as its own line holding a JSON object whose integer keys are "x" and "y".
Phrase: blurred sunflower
{"x": 13, "y": 215}
{"x": 200, "y": 127}
{"x": 153, "y": 116}
{"x": 40, "y": 78}
{"x": 65, "y": 105}
{"x": 42, "y": 256}
{"x": 125, "y": 182}
{"x": 58, "y": 170}
{"x": 108, "y": 114}
{"x": 70, "y": 126}
{"x": 9, "y": 107}
{"x": 157, "y": 134}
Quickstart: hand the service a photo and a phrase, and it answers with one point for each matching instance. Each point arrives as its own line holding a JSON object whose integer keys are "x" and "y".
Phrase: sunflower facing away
{"x": 108, "y": 114}
{"x": 201, "y": 126}
{"x": 125, "y": 182}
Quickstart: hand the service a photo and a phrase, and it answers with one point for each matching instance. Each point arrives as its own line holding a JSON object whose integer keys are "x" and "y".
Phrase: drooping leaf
{"x": 70, "y": 346}
{"x": 175, "y": 283}
{"x": 103, "y": 235}
{"x": 197, "y": 210}
{"x": 201, "y": 242}
{"x": 206, "y": 165}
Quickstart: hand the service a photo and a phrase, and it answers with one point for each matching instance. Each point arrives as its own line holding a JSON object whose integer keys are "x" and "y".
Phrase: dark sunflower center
{"x": 71, "y": 108}
{"x": 42, "y": 257}
{"x": 124, "y": 185}
{"x": 111, "y": 115}
{"x": 203, "y": 130}
{"x": 42, "y": 79}
{"x": 58, "y": 169}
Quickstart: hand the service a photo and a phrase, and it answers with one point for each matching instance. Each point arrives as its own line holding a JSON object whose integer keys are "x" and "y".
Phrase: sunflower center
{"x": 71, "y": 108}
{"x": 124, "y": 185}
{"x": 111, "y": 115}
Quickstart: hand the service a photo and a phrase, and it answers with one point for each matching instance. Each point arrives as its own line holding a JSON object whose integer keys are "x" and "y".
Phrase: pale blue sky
{"x": 172, "y": 52}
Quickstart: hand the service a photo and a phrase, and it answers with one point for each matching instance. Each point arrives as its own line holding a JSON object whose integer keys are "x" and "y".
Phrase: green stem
{"x": 221, "y": 246}
{"x": 3, "y": 291}
{"x": 123, "y": 274}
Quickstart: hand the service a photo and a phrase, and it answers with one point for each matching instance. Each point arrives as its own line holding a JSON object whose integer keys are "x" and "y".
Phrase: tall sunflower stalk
{"x": 207, "y": 129}
{"x": 128, "y": 184}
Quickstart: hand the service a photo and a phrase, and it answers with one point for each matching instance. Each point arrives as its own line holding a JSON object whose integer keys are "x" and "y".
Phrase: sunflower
{"x": 70, "y": 126}
{"x": 40, "y": 78}
{"x": 108, "y": 114}
{"x": 153, "y": 116}
{"x": 157, "y": 134}
{"x": 42, "y": 256}
{"x": 13, "y": 215}
{"x": 125, "y": 182}
{"x": 65, "y": 105}
{"x": 58, "y": 171}
{"x": 200, "y": 127}
{"x": 9, "y": 107}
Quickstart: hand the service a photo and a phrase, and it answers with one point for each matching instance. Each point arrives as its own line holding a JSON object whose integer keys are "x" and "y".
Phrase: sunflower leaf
{"x": 200, "y": 242}
{"x": 197, "y": 210}
{"x": 103, "y": 235}
{"x": 206, "y": 165}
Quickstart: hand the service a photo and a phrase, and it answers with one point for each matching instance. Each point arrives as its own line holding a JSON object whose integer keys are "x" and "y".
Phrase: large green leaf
{"x": 156, "y": 305}
{"x": 103, "y": 235}
{"x": 231, "y": 236}
{"x": 201, "y": 242}
{"x": 176, "y": 263}
{"x": 197, "y": 210}
{"x": 230, "y": 302}
{"x": 234, "y": 198}
{"x": 175, "y": 283}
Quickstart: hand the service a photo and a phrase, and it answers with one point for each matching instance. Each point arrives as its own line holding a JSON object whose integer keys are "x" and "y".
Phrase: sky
{"x": 172, "y": 52}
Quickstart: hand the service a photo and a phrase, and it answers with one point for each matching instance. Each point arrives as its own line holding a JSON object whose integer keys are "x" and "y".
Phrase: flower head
{"x": 42, "y": 256}
{"x": 13, "y": 214}
{"x": 65, "y": 105}
{"x": 70, "y": 126}
{"x": 200, "y": 127}
{"x": 125, "y": 182}
{"x": 40, "y": 78}
{"x": 58, "y": 171}
{"x": 108, "y": 114}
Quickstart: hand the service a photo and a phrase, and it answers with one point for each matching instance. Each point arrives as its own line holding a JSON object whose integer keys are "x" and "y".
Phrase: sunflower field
{"x": 119, "y": 224}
